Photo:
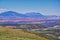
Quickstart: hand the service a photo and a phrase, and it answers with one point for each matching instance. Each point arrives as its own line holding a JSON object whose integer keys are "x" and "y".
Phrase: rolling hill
{"x": 15, "y": 34}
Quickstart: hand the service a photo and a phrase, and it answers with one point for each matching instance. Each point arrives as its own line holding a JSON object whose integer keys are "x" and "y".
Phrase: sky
{"x": 45, "y": 7}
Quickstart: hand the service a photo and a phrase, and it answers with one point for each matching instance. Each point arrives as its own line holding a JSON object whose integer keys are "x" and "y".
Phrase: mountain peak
{"x": 12, "y": 14}
{"x": 8, "y": 13}
{"x": 34, "y": 14}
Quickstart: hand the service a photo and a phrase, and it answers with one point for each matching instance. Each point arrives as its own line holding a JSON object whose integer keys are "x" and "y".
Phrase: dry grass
{"x": 14, "y": 34}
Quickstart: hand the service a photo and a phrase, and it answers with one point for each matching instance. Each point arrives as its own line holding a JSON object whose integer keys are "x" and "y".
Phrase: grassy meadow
{"x": 16, "y": 34}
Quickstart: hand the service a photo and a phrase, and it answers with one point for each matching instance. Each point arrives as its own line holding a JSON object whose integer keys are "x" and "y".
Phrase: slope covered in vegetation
{"x": 15, "y": 34}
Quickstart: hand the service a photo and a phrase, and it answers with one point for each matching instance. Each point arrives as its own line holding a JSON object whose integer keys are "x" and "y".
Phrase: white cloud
{"x": 3, "y": 10}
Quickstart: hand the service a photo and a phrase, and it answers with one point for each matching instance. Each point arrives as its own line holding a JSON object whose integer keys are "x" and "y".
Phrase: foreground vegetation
{"x": 15, "y": 34}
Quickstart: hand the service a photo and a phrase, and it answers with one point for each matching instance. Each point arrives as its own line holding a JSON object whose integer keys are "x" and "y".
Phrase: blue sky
{"x": 46, "y": 7}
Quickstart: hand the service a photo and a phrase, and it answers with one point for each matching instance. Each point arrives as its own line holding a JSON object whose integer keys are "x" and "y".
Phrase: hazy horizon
{"x": 45, "y": 7}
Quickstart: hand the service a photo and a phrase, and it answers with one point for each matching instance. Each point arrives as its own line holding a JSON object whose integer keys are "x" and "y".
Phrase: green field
{"x": 15, "y": 34}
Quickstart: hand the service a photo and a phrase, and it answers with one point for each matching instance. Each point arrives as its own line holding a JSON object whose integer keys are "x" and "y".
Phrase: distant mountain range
{"x": 13, "y": 18}
{"x": 11, "y": 14}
